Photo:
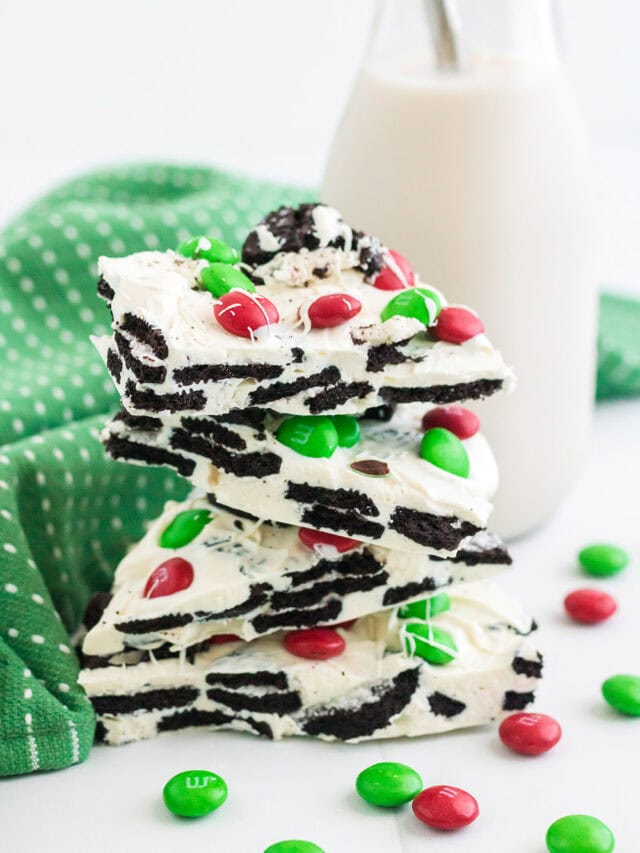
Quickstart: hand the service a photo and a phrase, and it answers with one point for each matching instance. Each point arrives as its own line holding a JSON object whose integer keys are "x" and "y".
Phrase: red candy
{"x": 456, "y": 419}
{"x": 314, "y": 643}
{"x": 590, "y": 606}
{"x": 387, "y": 278}
{"x": 169, "y": 577}
{"x": 457, "y": 325}
{"x": 333, "y": 310}
{"x": 312, "y": 538}
{"x": 241, "y": 313}
{"x": 219, "y": 639}
{"x": 530, "y": 734}
{"x": 445, "y": 807}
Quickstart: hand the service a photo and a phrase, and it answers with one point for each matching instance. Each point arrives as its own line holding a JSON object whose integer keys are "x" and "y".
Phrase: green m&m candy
{"x": 428, "y": 642}
{"x": 184, "y": 528}
{"x": 418, "y": 302}
{"x": 579, "y": 833}
{"x": 388, "y": 784}
{"x": 294, "y": 847}
{"x": 208, "y": 249}
{"x": 309, "y": 435}
{"x": 220, "y": 278}
{"x": 348, "y": 429}
{"x": 194, "y": 793}
{"x": 622, "y": 692}
{"x": 427, "y": 608}
{"x": 601, "y": 560}
{"x": 445, "y": 450}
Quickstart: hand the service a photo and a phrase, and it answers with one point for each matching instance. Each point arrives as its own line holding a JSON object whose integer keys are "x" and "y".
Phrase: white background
{"x": 258, "y": 86}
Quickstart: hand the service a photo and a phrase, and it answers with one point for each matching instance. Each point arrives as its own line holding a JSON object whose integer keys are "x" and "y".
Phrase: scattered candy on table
{"x": 443, "y": 449}
{"x": 579, "y": 834}
{"x": 219, "y": 278}
{"x": 397, "y": 274}
{"x": 590, "y": 606}
{"x": 314, "y": 643}
{"x": 184, "y": 528}
{"x": 194, "y": 793}
{"x": 445, "y": 807}
{"x": 294, "y": 847}
{"x": 388, "y": 784}
{"x": 242, "y": 313}
{"x": 332, "y": 310}
{"x": 420, "y": 303}
{"x": 456, "y": 325}
{"x": 309, "y": 435}
{"x": 602, "y": 560}
{"x": 460, "y": 421}
{"x": 622, "y": 692}
{"x": 529, "y": 734}
{"x": 168, "y": 578}
{"x": 424, "y": 640}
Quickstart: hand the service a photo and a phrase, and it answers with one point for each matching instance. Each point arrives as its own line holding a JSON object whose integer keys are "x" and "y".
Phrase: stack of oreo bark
{"x": 329, "y": 576}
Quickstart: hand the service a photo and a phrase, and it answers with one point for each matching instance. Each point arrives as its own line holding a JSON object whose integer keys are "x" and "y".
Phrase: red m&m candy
{"x": 242, "y": 313}
{"x": 171, "y": 576}
{"x": 445, "y": 807}
{"x": 530, "y": 734}
{"x": 456, "y": 419}
{"x": 590, "y": 606}
{"x": 314, "y": 643}
{"x": 457, "y": 325}
{"x": 221, "y": 639}
{"x": 388, "y": 278}
{"x": 333, "y": 310}
{"x": 313, "y": 538}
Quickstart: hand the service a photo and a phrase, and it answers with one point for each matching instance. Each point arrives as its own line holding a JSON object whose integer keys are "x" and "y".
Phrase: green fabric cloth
{"x": 67, "y": 513}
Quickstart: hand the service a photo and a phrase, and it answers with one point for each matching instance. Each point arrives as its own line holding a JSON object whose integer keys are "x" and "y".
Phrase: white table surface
{"x": 304, "y": 789}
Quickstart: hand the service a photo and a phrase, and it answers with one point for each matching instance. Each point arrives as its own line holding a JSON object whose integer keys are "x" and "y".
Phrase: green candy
{"x": 194, "y": 793}
{"x": 220, "y": 278}
{"x": 348, "y": 429}
{"x": 388, "y": 784}
{"x": 427, "y": 608}
{"x": 622, "y": 692}
{"x": 208, "y": 249}
{"x": 184, "y": 528}
{"x": 309, "y": 435}
{"x": 445, "y": 450}
{"x": 579, "y": 833}
{"x": 429, "y": 643}
{"x": 417, "y": 302}
{"x": 294, "y": 847}
{"x": 601, "y": 561}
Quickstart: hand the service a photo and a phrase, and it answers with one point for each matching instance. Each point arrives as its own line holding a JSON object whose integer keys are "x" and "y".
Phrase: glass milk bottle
{"x": 462, "y": 147}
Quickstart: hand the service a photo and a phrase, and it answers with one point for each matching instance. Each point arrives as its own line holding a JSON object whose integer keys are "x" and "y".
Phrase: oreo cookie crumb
{"x": 148, "y": 700}
{"x": 514, "y": 701}
{"x": 340, "y": 498}
{"x": 177, "y": 402}
{"x": 350, "y": 523}
{"x": 399, "y": 594}
{"x": 445, "y": 706}
{"x": 530, "y": 668}
{"x": 337, "y": 395}
{"x": 114, "y": 364}
{"x": 153, "y": 374}
{"x": 142, "y": 423}
{"x": 382, "y": 355}
{"x": 280, "y": 704}
{"x": 123, "y": 448}
{"x": 146, "y": 334}
{"x": 105, "y": 290}
{"x": 329, "y": 612}
{"x": 358, "y": 721}
{"x": 212, "y": 428}
{"x": 441, "y": 394}
{"x": 197, "y": 373}
{"x": 263, "y": 678}
{"x": 252, "y": 464}
{"x": 441, "y": 532}
{"x": 282, "y": 390}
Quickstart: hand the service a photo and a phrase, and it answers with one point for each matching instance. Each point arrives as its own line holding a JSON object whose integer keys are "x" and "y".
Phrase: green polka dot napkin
{"x": 67, "y": 512}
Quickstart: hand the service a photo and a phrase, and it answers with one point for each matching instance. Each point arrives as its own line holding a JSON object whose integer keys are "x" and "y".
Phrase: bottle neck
{"x": 525, "y": 30}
